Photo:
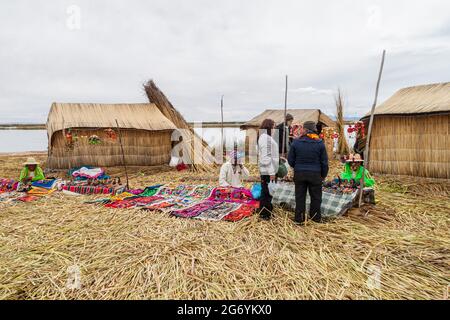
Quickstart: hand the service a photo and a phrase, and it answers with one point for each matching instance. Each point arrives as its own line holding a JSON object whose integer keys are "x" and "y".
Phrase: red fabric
{"x": 242, "y": 212}
{"x": 181, "y": 167}
{"x": 128, "y": 203}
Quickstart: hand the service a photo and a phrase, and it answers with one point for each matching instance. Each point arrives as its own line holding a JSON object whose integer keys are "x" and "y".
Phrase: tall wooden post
{"x": 123, "y": 154}
{"x": 221, "y": 114}
{"x": 369, "y": 133}
{"x": 283, "y": 148}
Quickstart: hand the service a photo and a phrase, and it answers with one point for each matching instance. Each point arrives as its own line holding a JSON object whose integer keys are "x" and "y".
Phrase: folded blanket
{"x": 46, "y": 184}
{"x": 88, "y": 173}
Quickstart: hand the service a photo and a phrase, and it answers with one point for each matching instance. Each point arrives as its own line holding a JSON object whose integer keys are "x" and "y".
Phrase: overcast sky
{"x": 197, "y": 50}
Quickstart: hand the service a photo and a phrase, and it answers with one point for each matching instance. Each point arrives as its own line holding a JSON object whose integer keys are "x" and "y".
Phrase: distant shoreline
{"x": 22, "y": 126}
{"x": 22, "y": 153}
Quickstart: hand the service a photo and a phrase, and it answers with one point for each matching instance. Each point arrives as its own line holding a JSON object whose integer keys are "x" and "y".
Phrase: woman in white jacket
{"x": 268, "y": 161}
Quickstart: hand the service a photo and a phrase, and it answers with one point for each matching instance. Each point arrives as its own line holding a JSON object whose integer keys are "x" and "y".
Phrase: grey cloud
{"x": 198, "y": 50}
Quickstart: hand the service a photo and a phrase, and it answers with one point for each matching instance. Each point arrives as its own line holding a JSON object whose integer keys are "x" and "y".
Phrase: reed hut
{"x": 87, "y": 134}
{"x": 411, "y": 133}
{"x": 277, "y": 115}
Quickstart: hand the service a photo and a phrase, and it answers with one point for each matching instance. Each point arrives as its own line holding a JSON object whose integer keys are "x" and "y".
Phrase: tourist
{"x": 268, "y": 161}
{"x": 284, "y": 130}
{"x": 233, "y": 171}
{"x": 31, "y": 172}
{"x": 309, "y": 159}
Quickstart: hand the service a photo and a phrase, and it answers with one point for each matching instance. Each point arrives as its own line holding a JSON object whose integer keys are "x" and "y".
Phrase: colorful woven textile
{"x": 27, "y": 198}
{"x": 39, "y": 192}
{"x": 239, "y": 195}
{"x": 202, "y": 191}
{"x": 150, "y": 191}
{"x": 240, "y": 213}
{"x": 9, "y": 196}
{"x": 195, "y": 210}
{"x": 134, "y": 202}
{"x": 218, "y": 211}
{"x": 84, "y": 189}
{"x": 8, "y": 185}
{"x": 160, "y": 205}
{"x": 46, "y": 184}
{"x": 121, "y": 196}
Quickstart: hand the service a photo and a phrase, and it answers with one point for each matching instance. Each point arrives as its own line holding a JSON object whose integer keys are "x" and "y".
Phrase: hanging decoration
{"x": 111, "y": 134}
{"x": 71, "y": 140}
{"x": 94, "y": 140}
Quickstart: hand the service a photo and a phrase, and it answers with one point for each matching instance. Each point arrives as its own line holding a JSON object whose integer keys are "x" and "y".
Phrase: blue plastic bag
{"x": 256, "y": 191}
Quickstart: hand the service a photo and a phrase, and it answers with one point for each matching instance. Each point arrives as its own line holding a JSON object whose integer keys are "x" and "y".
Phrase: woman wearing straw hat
{"x": 31, "y": 172}
{"x": 353, "y": 171}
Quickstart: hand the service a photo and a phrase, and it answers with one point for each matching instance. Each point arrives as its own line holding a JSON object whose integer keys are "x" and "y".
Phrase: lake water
{"x": 36, "y": 140}
{"x": 23, "y": 140}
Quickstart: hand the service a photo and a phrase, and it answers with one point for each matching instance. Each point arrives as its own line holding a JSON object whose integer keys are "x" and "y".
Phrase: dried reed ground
{"x": 132, "y": 254}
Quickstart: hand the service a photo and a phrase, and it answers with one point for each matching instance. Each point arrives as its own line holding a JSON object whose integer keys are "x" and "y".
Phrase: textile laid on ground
{"x": 46, "y": 184}
{"x": 196, "y": 209}
{"x": 39, "y": 192}
{"x": 89, "y": 189}
{"x": 85, "y": 173}
{"x": 9, "y": 196}
{"x": 240, "y": 213}
{"x": 133, "y": 202}
{"x": 188, "y": 201}
{"x": 333, "y": 205}
{"x": 8, "y": 185}
{"x": 218, "y": 212}
{"x": 27, "y": 198}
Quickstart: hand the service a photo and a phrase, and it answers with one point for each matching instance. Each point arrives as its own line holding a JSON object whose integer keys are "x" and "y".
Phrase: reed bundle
{"x": 132, "y": 254}
{"x": 200, "y": 153}
{"x": 343, "y": 148}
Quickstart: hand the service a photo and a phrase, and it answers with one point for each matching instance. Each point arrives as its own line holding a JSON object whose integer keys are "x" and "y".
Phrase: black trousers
{"x": 265, "y": 201}
{"x": 311, "y": 182}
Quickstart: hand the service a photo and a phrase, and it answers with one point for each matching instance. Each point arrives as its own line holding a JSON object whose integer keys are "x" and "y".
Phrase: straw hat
{"x": 354, "y": 158}
{"x": 30, "y": 161}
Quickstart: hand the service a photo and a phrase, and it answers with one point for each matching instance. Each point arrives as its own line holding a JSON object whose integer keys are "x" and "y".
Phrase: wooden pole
{"x": 369, "y": 133}
{"x": 221, "y": 124}
{"x": 283, "y": 148}
{"x": 123, "y": 154}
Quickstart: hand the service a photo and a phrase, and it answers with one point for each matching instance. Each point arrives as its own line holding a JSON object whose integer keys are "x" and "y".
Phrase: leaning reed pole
{"x": 198, "y": 147}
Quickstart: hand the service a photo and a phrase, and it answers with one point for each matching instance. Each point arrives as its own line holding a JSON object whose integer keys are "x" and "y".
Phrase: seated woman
{"x": 31, "y": 172}
{"x": 233, "y": 171}
{"x": 353, "y": 171}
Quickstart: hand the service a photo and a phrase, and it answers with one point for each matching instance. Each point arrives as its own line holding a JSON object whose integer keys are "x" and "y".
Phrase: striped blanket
{"x": 84, "y": 189}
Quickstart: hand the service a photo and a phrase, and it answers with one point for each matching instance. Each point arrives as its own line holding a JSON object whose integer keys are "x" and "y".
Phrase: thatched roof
{"x": 144, "y": 116}
{"x": 300, "y": 116}
{"x": 428, "y": 99}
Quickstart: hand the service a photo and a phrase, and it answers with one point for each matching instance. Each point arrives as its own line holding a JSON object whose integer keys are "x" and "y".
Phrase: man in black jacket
{"x": 284, "y": 130}
{"x": 309, "y": 159}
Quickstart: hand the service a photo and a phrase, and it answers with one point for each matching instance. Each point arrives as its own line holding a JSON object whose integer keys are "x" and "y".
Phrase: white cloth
{"x": 268, "y": 156}
{"x": 228, "y": 177}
